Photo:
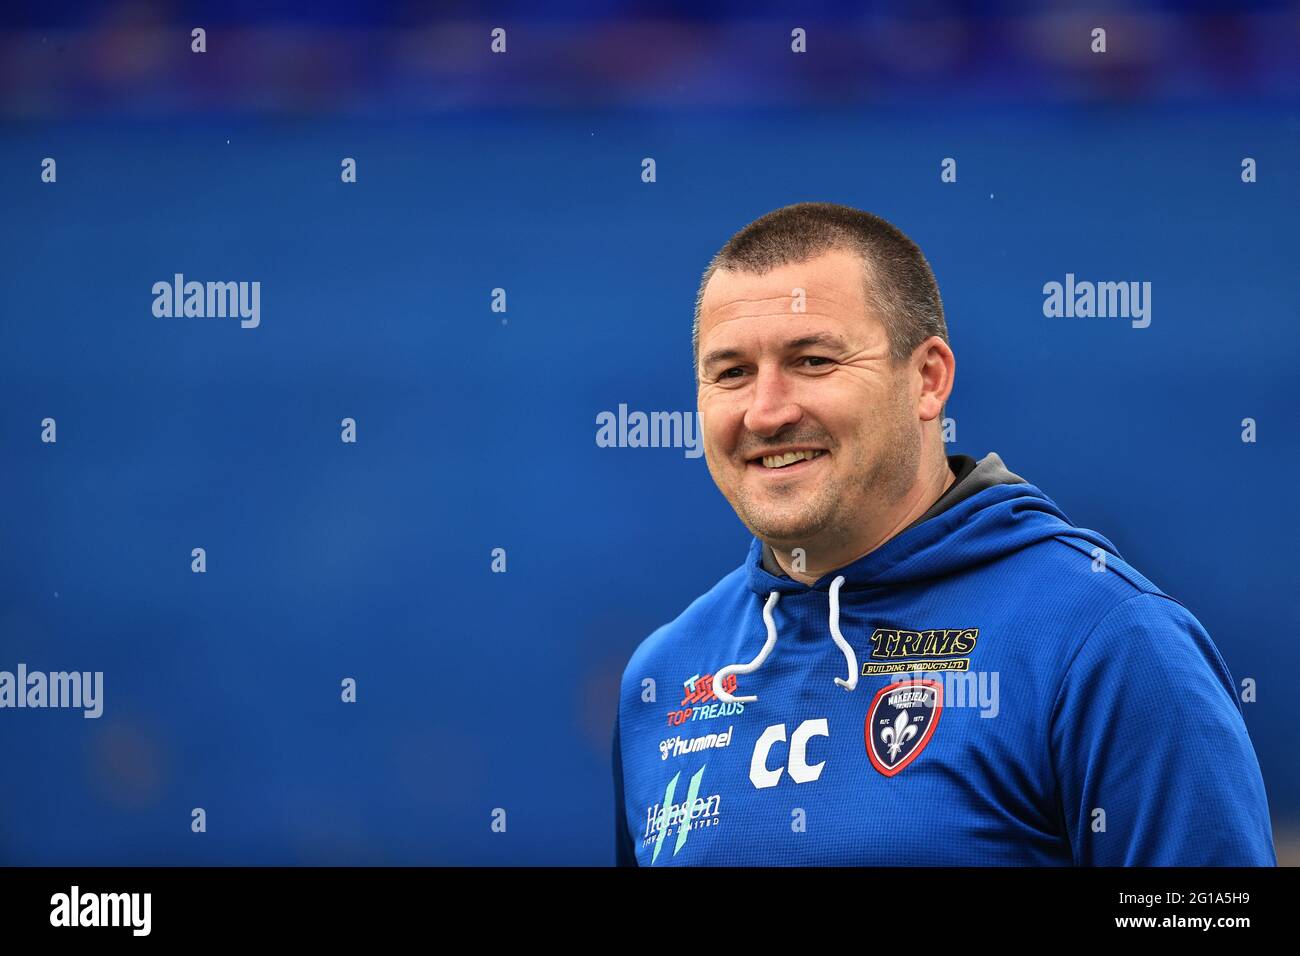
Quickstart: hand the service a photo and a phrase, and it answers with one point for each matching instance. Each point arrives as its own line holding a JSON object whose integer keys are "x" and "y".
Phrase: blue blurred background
{"x": 476, "y": 429}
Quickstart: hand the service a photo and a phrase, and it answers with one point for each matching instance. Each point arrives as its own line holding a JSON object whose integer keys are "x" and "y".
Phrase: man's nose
{"x": 773, "y": 406}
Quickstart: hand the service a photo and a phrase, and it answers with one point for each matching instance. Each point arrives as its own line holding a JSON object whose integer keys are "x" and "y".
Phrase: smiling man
{"x": 921, "y": 660}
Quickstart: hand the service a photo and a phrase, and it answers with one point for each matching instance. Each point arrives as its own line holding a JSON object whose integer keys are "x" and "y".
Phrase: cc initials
{"x": 800, "y": 772}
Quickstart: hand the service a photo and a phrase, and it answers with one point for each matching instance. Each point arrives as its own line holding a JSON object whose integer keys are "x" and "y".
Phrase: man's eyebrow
{"x": 821, "y": 338}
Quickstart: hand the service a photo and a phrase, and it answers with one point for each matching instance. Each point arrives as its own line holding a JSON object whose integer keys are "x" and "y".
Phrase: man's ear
{"x": 936, "y": 366}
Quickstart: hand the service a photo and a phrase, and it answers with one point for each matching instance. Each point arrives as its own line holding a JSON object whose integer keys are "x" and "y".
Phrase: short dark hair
{"x": 900, "y": 286}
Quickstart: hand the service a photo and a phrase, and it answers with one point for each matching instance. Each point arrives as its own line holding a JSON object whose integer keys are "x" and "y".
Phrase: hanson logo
{"x": 693, "y": 813}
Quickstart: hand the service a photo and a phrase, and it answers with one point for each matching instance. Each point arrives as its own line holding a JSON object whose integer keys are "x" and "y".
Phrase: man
{"x": 921, "y": 661}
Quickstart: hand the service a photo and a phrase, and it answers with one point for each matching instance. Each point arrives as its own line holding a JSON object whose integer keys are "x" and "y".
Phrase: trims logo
{"x": 693, "y": 813}
{"x": 940, "y": 650}
{"x": 900, "y": 723}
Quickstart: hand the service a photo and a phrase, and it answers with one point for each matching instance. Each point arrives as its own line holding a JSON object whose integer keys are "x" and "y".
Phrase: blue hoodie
{"x": 992, "y": 686}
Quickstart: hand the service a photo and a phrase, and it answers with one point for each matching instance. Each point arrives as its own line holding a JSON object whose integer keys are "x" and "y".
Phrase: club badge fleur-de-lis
{"x": 900, "y": 723}
{"x": 898, "y": 734}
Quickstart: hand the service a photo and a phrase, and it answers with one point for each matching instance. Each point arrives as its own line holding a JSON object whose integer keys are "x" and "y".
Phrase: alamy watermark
{"x": 624, "y": 429}
{"x": 961, "y": 688}
{"x": 130, "y": 910}
{"x": 1103, "y": 300}
{"x": 209, "y": 300}
{"x": 79, "y": 689}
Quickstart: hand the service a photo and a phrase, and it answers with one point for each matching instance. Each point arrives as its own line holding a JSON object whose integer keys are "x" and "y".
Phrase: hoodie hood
{"x": 1003, "y": 515}
{"x": 989, "y": 513}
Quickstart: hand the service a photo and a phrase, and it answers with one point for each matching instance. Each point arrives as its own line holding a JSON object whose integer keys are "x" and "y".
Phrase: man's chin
{"x": 784, "y": 533}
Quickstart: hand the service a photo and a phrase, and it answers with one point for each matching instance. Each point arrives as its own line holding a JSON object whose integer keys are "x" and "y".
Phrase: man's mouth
{"x": 788, "y": 459}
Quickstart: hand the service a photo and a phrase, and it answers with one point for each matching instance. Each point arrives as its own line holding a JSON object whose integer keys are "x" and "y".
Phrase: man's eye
{"x": 814, "y": 358}
{"x": 727, "y": 373}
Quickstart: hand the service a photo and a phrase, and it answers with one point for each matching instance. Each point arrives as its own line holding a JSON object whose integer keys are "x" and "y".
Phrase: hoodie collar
{"x": 988, "y": 512}
{"x": 971, "y": 478}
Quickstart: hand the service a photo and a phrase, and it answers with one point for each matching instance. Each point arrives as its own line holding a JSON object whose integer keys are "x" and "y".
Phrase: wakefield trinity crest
{"x": 900, "y": 723}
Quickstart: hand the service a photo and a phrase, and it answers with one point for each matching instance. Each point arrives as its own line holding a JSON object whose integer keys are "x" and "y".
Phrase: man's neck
{"x": 818, "y": 562}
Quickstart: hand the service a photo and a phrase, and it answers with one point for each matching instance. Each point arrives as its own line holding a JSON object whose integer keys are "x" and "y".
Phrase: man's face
{"x": 764, "y": 388}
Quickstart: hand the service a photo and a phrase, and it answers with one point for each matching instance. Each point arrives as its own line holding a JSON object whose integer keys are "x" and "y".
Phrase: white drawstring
{"x": 753, "y": 665}
{"x": 849, "y": 657}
